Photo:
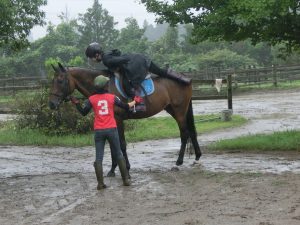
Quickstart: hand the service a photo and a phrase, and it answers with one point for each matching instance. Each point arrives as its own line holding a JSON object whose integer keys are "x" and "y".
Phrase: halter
{"x": 66, "y": 90}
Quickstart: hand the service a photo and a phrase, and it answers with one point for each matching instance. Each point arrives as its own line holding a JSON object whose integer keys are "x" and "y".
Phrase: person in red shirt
{"x": 105, "y": 126}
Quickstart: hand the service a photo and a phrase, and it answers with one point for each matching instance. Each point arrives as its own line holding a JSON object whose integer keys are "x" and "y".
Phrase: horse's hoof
{"x": 196, "y": 162}
{"x": 175, "y": 168}
{"x": 111, "y": 174}
{"x": 198, "y": 157}
{"x": 179, "y": 162}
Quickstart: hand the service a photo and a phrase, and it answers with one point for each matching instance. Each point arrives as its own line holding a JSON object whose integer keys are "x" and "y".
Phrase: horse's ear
{"x": 62, "y": 68}
{"x": 54, "y": 68}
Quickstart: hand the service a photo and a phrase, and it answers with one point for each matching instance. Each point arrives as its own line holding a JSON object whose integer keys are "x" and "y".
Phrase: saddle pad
{"x": 147, "y": 84}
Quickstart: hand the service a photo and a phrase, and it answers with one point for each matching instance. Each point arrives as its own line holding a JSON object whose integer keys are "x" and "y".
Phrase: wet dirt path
{"x": 57, "y": 185}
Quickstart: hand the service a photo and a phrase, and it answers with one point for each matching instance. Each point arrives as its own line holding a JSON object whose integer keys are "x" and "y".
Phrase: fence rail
{"x": 253, "y": 76}
{"x": 14, "y": 84}
{"x": 202, "y": 90}
{"x": 202, "y": 81}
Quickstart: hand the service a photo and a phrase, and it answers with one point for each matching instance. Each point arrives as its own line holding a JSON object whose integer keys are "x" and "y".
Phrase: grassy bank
{"x": 267, "y": 87}
{"x": 137, "y": 130}
{"x": 278, "y": 141}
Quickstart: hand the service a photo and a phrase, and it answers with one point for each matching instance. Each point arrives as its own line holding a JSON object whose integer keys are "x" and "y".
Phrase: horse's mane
{"x": 83, "y": 69}
{"x": 89, "y": 72}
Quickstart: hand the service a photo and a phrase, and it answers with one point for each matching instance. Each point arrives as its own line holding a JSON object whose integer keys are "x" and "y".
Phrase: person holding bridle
{"x": 105, "y": 126}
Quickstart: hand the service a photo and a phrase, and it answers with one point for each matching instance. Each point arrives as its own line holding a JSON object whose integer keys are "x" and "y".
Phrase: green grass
{"x": 37, "y": 138}
{"x": 158, "y": 128}
{"x": 10, "y": 98}
{"x": 278, "y": 141}
{"x": 6, "y": 98}
{"x": 138, "y": 130}
{"x": 267, "y": 86}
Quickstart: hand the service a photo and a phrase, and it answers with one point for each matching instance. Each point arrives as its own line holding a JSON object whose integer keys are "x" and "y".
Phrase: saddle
{"x": 124, "y": 88}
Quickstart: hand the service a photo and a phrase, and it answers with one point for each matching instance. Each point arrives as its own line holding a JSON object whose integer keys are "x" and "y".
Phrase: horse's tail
{"x": 190, "y": 121}
{"x": 192, "y": 130}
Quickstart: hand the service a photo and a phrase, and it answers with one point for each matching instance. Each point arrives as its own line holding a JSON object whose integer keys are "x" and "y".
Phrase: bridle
{"x": 65, "y": 90}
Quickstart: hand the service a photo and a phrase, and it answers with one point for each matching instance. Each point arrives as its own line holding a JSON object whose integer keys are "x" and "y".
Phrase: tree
{"x": 60, "y": 41}
{"x": 224, "y": 59}
{"x": 131, "y": 37}
{"x": 170, "y": 40}
{"x": 17, "y": 18}
{"x": 97, "y": 26}
{"x": 270, "y": 21}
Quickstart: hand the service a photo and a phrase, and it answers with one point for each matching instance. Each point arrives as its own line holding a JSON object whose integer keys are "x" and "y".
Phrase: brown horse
{"x": 169, "y": 95}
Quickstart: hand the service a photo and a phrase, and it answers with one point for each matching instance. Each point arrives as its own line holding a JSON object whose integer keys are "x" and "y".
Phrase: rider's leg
{"x": 168, "y": 73}
{"x": 113, "y": 139}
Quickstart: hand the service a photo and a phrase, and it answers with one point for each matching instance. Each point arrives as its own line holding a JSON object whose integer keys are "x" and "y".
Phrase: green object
{"x": 101, "y": 81}
{"x": 99, "y": 175}
{"x": 124, "y": 172}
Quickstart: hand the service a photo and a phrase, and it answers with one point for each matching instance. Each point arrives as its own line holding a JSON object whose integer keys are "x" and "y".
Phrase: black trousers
{"x": 157, "y": 70}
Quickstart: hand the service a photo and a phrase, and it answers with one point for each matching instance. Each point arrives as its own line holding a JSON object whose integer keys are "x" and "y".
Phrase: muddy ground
{"x": 57, "y": 185}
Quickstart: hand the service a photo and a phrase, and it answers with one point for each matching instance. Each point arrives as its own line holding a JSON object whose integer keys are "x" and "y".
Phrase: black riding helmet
{"x": 93, "y": 49}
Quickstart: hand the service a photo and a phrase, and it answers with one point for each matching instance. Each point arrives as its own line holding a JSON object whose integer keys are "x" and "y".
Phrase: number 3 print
{"x": 103, "y": 107}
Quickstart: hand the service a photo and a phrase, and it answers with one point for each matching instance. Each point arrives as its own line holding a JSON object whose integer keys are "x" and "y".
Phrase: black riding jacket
{"x": 134, "y": 66}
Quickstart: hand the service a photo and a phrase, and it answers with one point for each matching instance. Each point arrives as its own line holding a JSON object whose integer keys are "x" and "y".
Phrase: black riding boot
{"x": 99, "y": 175}
{"x": 168, "y": 73}
{"x": 178, "y": 76}
{"x": 124, "y": 172}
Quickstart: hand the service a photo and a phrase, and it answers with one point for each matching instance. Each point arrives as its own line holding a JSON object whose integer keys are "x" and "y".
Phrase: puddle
{"x": 266, "y": 112}
{"x": 144, "y": 156}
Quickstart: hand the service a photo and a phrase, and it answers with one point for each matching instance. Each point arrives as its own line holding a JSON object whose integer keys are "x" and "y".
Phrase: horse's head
{"x": 61, "y": 87}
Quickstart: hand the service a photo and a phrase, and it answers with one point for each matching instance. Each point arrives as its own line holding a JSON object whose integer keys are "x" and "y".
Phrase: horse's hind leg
{"x": 184, "y": 133}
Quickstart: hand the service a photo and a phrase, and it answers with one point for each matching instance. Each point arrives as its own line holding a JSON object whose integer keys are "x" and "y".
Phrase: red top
{"x": 103, "y": 106}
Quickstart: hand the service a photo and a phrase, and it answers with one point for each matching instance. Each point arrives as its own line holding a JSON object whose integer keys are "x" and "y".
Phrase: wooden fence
{"x": 205, "y": 90}
{"x": 253, "y": 76}
{"x": 14, "y": 84}
{"x": 202, "y": 89}
{"x": 202, "y": 81}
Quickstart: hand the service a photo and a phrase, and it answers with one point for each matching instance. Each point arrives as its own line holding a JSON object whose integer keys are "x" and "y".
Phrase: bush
{"x": 34, "y": 113}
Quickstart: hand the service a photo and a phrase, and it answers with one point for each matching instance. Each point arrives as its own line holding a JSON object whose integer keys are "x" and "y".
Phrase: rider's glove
{"x": 138, "y": 99}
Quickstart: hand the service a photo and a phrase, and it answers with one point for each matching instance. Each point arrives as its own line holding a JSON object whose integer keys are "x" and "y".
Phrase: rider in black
{"x": 134, "y": 67}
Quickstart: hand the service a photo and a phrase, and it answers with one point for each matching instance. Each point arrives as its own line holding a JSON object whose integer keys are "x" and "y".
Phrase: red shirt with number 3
{"x": 103, "y": 106}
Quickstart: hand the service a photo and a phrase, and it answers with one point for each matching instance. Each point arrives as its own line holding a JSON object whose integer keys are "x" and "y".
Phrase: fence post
{"x": 274, "y": 75}
{"x": 13, "y": 86}
{"x": 229, "y": 91}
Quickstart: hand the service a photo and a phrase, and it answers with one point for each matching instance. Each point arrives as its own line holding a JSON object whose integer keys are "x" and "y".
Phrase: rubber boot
{"x": 178, "y": 76}
{"x": 124, "y": 172}
{"x": 99, "y": 175}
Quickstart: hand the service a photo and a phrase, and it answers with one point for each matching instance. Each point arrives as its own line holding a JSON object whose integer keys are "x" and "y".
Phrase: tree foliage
{"x": 96, "y": 25}
{"x": 17, "y": 17}
{"x": 131, "y": 37}
{"x": 67, "y": 41}
{"x": 269, "y": 21}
